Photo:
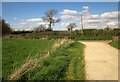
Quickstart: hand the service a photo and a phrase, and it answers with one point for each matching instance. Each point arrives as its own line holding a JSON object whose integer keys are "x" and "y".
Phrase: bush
{"x": 115, "y": 44}
{"x": 6, "y": 29}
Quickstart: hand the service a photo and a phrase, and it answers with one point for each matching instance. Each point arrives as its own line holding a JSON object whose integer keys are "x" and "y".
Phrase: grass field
{"x": 16, "y": 51}
{"x": 0, "y": 57}
{"x": 66, "y": 63}
{"x": 115, "y": 44}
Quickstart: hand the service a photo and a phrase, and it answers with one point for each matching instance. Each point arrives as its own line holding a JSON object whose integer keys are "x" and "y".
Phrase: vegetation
{"x": 94, "y": 34}
{"x": 71, "y": 26}
{"x": 6, "y": 29}
{"x": 115, "y": 44}
{"x": 89, "y": 34}
{"x": 16, "y": 51}
{"x": 64, "y": 64}
{"x": 49, "y": 17}
{"x": 40, "y": 28}
{"x": 76, "y": 69}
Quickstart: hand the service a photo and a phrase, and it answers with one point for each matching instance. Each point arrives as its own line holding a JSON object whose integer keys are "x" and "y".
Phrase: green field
{"x": 16, "y": 51}
{"x": 115, "y": 44}
{"x": 65, "y": 63}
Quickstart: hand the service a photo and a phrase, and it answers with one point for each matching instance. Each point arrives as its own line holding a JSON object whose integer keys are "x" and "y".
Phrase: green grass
{"x": 115, "y": 44}
{"x": 16, "y": 51}
{"x": 65, "y": 63}
{"x": 94, "y": 38}
{"x": 76, "y": 70}
{"x": 0, "y": 57}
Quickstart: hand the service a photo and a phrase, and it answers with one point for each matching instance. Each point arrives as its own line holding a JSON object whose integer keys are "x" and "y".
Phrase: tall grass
{"x": 66, "y": 62}
{"x": 16, "y": 51}
{"x": 68, "y": 58}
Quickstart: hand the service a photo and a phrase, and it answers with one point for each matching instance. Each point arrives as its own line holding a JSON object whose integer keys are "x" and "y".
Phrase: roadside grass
{"x": 52, "y": 67}
{"x": 76, "y": 70}
{"x": 59, "y": 65}
{"x": 115, "y": 44}
{"x": 16, "y": 51}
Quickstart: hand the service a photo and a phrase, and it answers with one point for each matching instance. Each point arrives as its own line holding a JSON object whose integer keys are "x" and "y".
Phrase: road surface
{"x": 101, "y": 60}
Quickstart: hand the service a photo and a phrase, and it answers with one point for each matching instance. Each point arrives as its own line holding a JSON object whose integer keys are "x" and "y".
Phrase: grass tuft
{"x": 115, "y": 44}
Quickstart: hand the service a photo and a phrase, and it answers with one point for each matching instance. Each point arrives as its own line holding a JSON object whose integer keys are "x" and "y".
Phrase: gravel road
{"x": 101, "y": 60}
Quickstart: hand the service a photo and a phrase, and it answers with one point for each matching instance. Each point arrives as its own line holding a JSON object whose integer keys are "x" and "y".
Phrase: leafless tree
{"x": 70, "y": 26}
{"x": 40, "y": 28}
{"x": 49, "y": 17}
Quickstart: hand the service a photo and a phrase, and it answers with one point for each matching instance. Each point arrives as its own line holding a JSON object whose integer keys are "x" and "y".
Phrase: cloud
{"x": 15, "y": 18}
{"x": 41, "y": 23}
{"x": 64, "y": 24}
{"x": 34, "y": 20}
{"x": 94, "y": 16}
{"x": 112, "y": 23}
{"x": 69, "y": 12}
{"x": 110, "y": 15}
{"x": 85, "y": 11}
{"x": 28, "y": 24}
{"x": 78, "y": 18}
{"x": 89, "y": 20}
{"x": 92, "y": 21}
{"x": 91, "y": 26}
{"x": 74, "y": 12}
{"x": 23, "y": 23}
{"x": 67, "y": 17}
{"x": 85, "y": 7}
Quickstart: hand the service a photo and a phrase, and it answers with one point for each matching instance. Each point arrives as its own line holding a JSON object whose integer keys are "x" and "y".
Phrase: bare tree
{"x": 49, "y": 17}
{"x": 70, "y": 26}
{"x": 40, "y": 28}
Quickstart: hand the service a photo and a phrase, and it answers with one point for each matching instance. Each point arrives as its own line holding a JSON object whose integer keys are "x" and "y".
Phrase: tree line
{"x": 49, "y": 17}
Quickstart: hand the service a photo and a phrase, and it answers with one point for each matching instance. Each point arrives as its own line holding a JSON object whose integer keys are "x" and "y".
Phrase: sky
{"x": 60, "y": 0}
{"x": 28, "y": 15}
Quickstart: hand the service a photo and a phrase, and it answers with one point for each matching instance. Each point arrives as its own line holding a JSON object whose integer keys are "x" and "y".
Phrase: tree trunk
{"x": 50, "y": 25}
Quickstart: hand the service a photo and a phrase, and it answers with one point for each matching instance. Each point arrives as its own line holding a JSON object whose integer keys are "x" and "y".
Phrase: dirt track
{"x": 101, "y": 61}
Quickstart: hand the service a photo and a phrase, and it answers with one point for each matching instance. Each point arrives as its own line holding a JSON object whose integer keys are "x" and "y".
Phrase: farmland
{"x": 59, "y": 41}
{"x": 48, "y": 55}
{"x": 16, "y": 51}
{"x": 66, "y": 62}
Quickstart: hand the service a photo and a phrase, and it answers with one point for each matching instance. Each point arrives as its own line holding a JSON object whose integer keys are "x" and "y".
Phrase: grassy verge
{"x": 115, "y": 44}
{"x": 16, "y": 51}
{"x": 67, "y": 61}
{"x": 76, "y": 70}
